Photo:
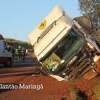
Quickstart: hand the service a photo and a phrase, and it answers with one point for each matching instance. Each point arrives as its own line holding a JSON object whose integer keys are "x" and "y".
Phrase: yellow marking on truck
{"x": 42, "y": 25}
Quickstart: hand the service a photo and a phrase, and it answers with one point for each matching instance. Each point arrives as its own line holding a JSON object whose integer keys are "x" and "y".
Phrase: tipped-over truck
{"x": 63, "y": 46}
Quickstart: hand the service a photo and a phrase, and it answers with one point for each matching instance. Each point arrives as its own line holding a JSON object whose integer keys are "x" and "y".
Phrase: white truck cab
{"x": 5, "y": 54}
{"x": 55, "y": 39}
{"x": 60, "y": 44}
{"x": 50, "y": 31}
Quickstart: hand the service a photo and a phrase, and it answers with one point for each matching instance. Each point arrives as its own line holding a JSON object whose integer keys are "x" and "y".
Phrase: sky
{"x": 19, "y": 17}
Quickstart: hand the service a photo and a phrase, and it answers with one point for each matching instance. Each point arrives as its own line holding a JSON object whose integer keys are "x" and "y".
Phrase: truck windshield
{"x": 64, "y": 51}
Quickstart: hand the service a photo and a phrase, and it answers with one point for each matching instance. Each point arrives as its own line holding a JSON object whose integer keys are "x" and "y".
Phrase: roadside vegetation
{"x": 16, "y": 43}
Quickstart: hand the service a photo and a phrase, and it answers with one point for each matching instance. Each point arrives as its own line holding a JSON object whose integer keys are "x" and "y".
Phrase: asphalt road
{"x": 29, "y": 61}
{"x": 19, "y": 67}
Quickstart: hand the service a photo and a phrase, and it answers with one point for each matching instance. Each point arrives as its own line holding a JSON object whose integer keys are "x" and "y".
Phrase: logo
{"x": 42, "y": 25}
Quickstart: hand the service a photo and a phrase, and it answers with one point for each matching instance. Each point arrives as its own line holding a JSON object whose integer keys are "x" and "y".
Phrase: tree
{"x": 91, "y": 10}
